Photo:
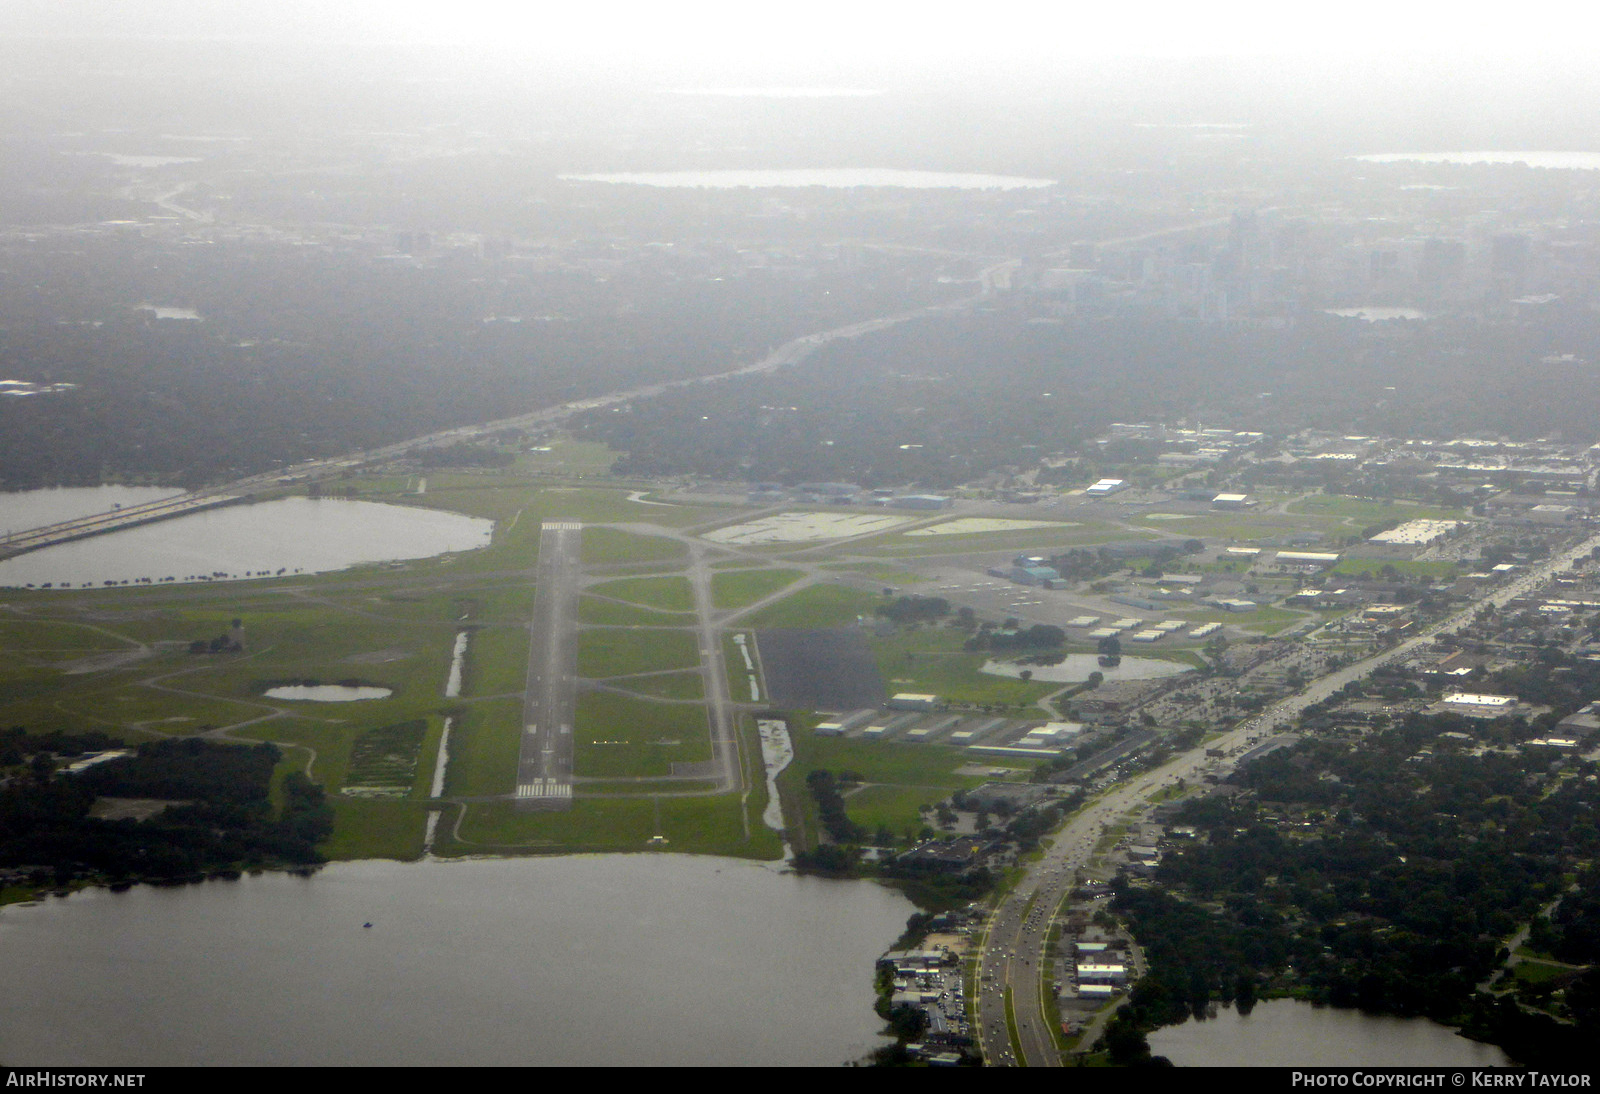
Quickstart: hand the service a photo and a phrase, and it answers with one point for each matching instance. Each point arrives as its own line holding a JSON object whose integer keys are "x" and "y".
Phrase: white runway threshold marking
{"x": 544, "y": 788}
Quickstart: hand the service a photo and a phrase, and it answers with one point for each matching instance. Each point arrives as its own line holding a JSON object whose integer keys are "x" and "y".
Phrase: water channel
{"x": 579, "y": 961}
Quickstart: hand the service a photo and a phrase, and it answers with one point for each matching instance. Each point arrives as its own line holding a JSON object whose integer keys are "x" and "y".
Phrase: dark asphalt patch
{"x": 819, "y": 669}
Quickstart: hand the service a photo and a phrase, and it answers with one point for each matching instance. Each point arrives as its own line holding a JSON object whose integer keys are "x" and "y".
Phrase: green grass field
{"x": 671, "y": 594}
{"x": 705, "y": 825}
{"x": 1537, "y": 972}
{"x": 614, "y": 613}
{"x": 671, "y": 685}
{"x": 484, "y": 744}
{"x": 1254, "y": 527}
{"x": 894, "y": 807}
{"x": 618, "y": 737}
{"x": 1262, "y": 620}
{"x": 567, "y": 457}
{"x": 50, "y": 641}
{"x": 1405, "y": 567}
{"x": 737, "y": 588}
{"x": 605, "y": 546}
{"x": 930, "y": 660}
{"x": 615, "y": 651}
{"x": 814, "y": 606}
{"x": 367, "y": 828}
{"x": 497, "y": 661}
{"x": 891, "y": 762}
{"x": 901, "y": 778}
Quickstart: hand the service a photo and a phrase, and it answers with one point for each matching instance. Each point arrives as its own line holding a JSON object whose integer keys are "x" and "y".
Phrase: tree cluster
{"x": 219, "y": 821}
{"x": 1393, "y": 892}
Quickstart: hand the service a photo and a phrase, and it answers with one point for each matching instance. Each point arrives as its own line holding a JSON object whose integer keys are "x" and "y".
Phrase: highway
{"x": 33, "y": 539}
{"x": 1012, "y": 957}
{"x": 544, "y": 762}
{"x": 790, "y": 353}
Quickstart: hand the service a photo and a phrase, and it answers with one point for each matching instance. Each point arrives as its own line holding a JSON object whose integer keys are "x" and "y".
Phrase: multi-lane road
{"x": 1012, "y": 960}
{"x": 790, "y": 353}
{"x": 32, "y": 539}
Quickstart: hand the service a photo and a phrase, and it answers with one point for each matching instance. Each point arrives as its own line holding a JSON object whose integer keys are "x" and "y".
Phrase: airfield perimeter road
{"x": 544, "y": 763}
{"x": 1013, "y": 956}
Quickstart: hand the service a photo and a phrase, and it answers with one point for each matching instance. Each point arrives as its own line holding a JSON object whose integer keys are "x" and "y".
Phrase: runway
{"x": 544, "y": 764}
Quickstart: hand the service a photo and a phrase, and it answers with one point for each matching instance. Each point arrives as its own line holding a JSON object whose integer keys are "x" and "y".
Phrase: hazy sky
{"x": 888, "y": 29}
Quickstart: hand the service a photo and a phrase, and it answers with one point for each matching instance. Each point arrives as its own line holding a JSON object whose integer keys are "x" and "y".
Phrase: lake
{"x": 142, "y": 161}
{"x": 308, "y": 535}
{"x": 24, "y": 509}
{"x": 595, "y": 960}
{"x": 166, "y": 311}
{"x": 1293, "y": 1033}
{"x": 834, "y": 177}
{"x": 1376, "y": 315}
{"x": 777, "y": 92}
{"x": 1589, "y": 161}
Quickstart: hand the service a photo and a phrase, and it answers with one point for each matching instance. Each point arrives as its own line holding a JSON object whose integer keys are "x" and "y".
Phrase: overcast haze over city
{"x": 728, "y": 534}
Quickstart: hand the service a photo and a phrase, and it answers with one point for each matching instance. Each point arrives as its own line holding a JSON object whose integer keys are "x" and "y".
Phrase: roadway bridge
{"x": 49, "y": 535}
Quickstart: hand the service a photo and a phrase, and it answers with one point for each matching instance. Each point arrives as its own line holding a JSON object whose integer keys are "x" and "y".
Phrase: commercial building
{"x": 1308, "y": 559}
{"x": 1417, "y": 533}
{"x": 1480, "y": 706}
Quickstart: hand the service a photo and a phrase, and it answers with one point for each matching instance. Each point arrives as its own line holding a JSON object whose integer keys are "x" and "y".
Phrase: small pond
{"x": 327, "y": 693}
{"x": 1076, "y": 668}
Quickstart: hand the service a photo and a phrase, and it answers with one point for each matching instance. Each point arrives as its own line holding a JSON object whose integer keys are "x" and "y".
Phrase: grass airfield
{"x": 118, "y": 660}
